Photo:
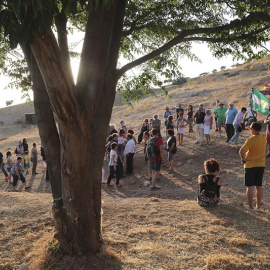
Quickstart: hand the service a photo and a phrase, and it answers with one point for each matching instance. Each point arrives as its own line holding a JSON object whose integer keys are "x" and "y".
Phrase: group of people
{"x": 16, "y": 169}
{"x": 123, "y": 144}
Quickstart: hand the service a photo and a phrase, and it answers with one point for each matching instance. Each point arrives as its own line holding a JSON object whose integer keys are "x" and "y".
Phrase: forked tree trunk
{"x": 83, "y": 117}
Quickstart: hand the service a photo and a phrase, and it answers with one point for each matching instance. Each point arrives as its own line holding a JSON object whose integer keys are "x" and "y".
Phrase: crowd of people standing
{"x": 16, "y": 168}
{"x": 220, "y": 118}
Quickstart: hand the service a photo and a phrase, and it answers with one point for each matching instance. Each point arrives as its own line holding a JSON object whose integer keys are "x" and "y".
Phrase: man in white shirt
{"x": 251, "y": 115}
{"x": 129, "y": 153}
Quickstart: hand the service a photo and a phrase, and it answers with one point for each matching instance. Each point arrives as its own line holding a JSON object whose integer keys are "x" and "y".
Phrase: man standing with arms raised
{"x": 252, "y": 155}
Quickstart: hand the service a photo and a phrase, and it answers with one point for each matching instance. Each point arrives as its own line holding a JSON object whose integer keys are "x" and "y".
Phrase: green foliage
{"x": 230, "y": 27}
{"x": 214, "y": 70}
{"x": 222, "y": 67}
{"x": 180, "y": 81}
{"x": 9, "y": 102}
{"x": 268, "y": 65}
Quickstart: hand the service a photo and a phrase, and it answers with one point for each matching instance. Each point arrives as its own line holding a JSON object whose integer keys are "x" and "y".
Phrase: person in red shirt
{"x": 157, "y": 161}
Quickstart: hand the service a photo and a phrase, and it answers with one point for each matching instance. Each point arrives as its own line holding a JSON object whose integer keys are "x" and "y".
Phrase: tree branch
{"x": 181, "y": 38}
{"x": 61, "y": 26}
{"x": 244, "y": 36}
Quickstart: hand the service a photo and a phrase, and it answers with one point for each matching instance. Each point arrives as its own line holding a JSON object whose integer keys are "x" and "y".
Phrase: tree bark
{"x": 46, "y": 124}
{"x": 83, "y": 121}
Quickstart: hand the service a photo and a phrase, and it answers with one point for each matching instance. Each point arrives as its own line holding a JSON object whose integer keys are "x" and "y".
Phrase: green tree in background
{"x": 150, "y": 34}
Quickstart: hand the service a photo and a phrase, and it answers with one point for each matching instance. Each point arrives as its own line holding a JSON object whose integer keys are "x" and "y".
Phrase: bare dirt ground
{"x": 145, "y": 229}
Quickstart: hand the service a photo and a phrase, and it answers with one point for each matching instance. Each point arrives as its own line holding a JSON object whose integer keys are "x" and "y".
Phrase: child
{"x": 9, "y": 165}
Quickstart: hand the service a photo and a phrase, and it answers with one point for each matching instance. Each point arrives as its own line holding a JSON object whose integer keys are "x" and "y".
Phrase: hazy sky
{"x": 189, "y": 69}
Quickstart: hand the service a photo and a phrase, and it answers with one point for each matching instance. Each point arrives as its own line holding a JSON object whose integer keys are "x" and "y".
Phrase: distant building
{"x": 30, "y": 118}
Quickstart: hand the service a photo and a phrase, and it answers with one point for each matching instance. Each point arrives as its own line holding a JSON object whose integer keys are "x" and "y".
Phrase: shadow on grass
{"x": 254, "y": 223}
{"x": 105, "y": 260}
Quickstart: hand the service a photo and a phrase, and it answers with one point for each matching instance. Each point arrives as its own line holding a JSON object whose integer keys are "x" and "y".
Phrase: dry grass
{"x": 164, "y": 229}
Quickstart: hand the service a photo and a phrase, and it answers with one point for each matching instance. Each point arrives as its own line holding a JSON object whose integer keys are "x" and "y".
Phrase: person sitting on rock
{"x": 209, "y": 184}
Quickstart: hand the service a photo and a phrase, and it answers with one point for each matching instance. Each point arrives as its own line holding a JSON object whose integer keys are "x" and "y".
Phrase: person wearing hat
{"x": 202, "y": 108}
{"x": 252, "y": 155}
{"x": 220, "y": 114}
{"x": 230, "y": 115}
{"x": 122, "y": 126}
{"x": 156, "y": 123}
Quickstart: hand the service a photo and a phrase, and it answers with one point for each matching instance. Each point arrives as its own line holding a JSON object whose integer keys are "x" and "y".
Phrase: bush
{"x": 179, "y": 81}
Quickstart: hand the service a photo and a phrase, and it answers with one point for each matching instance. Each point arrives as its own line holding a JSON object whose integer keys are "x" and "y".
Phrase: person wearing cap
{"x": 122, "y": 126}
{"x": 199, "y": 127}
{"x": 166, "y": 114}
{"x": 230, "y": 115}
{"x": 252, "y": 155}
{"x": 202, "y": 108}
{"x": 220, "y": 114}
{"x": 16, "y": 172}
{"x": 156, "y": 123}
{"x": 178, "y": 110}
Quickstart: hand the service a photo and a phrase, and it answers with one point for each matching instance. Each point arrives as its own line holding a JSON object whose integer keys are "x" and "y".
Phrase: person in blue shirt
{"x": 230, "y": 115}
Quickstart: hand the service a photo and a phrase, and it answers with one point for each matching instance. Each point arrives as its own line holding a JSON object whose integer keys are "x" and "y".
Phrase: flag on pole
{"x": 260, "y": 102}
{"x": 265, "y": 89}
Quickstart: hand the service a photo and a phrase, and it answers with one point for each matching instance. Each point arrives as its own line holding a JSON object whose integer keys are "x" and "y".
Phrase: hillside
{"x": 162, "y": 229}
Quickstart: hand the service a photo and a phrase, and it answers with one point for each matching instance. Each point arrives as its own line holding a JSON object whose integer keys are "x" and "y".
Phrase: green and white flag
{"x": 260, "y": 102}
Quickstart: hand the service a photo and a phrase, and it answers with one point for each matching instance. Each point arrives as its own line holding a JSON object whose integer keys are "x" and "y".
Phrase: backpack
{"x": 152, "y": 151}
{"x": 210, "y": 189}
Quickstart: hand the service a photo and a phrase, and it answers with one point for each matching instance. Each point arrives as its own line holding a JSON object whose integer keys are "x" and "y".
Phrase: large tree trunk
{"x": 46, "y": 124}
{"x": 83, "y": 117}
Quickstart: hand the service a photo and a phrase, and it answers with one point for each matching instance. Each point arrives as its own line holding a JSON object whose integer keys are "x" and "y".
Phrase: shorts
{"x": 170, "y": 156}
{"x": 16, "y": 178}
{"x": 181, "y": 130}
{"x": 268, "y": 137}
{"x": 254, "y": 176}
{"x": 155, "y": 165}
{"x": 220, "y": 124}
{"x": 206, "y": 130}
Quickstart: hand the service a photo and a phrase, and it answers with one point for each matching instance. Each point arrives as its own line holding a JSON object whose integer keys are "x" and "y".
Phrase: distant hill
{"x": 15, "y": 113}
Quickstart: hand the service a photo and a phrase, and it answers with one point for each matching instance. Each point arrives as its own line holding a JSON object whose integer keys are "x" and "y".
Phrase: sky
{"x": 189, "y": 69}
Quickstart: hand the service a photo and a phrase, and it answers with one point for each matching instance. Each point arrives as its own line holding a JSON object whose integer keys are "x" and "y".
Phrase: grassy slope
{"x": 156, "y": 230}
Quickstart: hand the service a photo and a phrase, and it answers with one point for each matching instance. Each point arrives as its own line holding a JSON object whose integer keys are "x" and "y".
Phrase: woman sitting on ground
{"x": 209, "y": 184}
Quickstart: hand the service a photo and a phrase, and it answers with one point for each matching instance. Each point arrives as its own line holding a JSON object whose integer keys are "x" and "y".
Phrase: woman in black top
{"x": 209, "y": 184}
{"x": 26, "y": 162}
{"x": 190, "y": 117}
{"x": 145, "y": 127}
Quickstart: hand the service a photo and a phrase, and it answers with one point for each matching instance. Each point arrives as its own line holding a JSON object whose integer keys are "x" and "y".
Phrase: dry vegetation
{"x": 164, "y": 229}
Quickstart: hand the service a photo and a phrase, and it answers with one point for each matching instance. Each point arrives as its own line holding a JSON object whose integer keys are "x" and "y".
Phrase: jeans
{"x": 229, "y": 131}
{"x": 120, "y": 151}
{"x": 236, "y": 135}
{"x": 3, "y": 169}
{"x": 112, "y": 171}
{"x": 199, "y": 132}
{"x": 16, "y": 178}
